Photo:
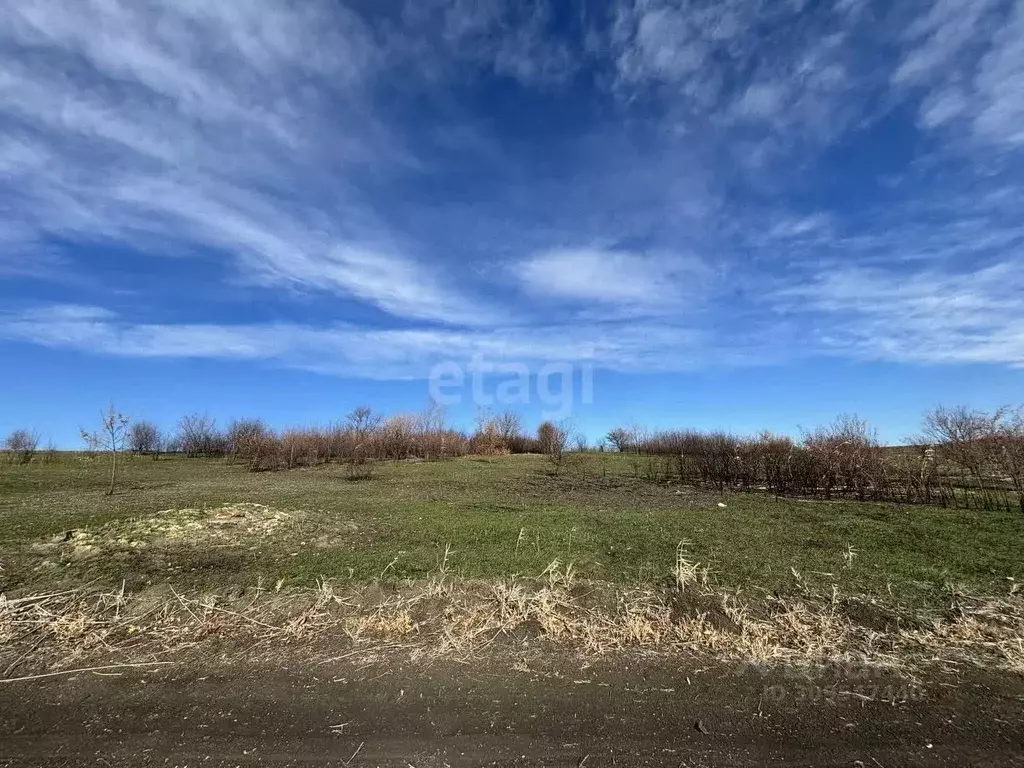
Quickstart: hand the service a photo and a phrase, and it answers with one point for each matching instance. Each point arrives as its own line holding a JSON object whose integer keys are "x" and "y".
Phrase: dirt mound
{"x": 234, "y": 523}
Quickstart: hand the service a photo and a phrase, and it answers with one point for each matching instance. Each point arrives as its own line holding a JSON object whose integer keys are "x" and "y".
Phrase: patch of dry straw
{"x": 459, "y": 619}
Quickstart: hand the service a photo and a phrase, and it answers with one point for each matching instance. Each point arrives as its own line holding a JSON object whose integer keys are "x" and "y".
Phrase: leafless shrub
{"x": 397, "y": 437}
{"x": 915, "y": 477}
{"x": 847, "y": 456}
{"x": 708, "y": 458}
{"x": 21, "y": 445}
{"x": 294, "y": 447}
{"x": 144, "y": 438}
{"x": 622, "y": 439}
{"x": 986, "y": 451}
{"x": 435, "y": 440}
{"x": 844, "y": 457}
{"x": 715, "y": 455}
{"x": 198, "y": 436}
{"x": 90, "y": 447}
{"x": 510, "y": 427}
{"x": 363, "y": 422}
{"x": 1008, "y": 452}
{"x": 774, "y": 455}
{"x": 489, "y": 439}
{"x": 963, "y": 438}
{"x": 256, "y": 445}
{"x": 240, "y": 432}
{"x": 500, "y": 434}
{"x": 964, "y": 459}
{"x": 554, "y": 440}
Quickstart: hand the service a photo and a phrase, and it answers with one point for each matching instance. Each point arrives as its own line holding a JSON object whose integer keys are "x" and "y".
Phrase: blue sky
{"x": 736, "y": 213}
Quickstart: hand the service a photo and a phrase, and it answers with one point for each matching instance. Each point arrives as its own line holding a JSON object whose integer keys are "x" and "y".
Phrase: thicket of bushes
{"x": 963, "y": 458}
{"x": 361, "y": 439}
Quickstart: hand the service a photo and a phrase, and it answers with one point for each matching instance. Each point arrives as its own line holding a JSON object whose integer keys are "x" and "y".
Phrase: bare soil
{"x": 624, "y": 710}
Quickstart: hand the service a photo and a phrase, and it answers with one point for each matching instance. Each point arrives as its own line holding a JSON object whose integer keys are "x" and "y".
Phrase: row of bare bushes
{"x": 22, "y": 445}
{"x": 963, "y": 458}
{"x": 361, "y": 439}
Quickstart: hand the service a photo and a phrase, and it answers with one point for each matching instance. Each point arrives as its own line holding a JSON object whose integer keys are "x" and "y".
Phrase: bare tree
{"x": 553, "y": 439}
{"x": 363, "y": 421}
{"x": 242, "y": 433}
{"x": 144, "y": 438}
{"x": 112, "y": 437}
{"x": 510, "y": 430}
{"x": 966, "y": 438}
{"x": 433, "y": 431}
{"x": 1008, "y": 452}
{"x": 21, "y": 445}
{"x": 847, "y": 456}
{"x": 253, "y": 442}
{"x": 366, "y": 432}
{"x": 487, "y": 439}
{"x": 621, "y": 439}
{"x": 91, "y": 446}
{"x": 198, "y": 436}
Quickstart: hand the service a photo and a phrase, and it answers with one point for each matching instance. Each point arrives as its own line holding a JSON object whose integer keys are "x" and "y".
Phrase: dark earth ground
{"x": 625, "y": 710}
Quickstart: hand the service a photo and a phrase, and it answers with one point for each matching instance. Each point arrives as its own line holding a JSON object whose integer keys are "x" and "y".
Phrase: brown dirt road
{"x": 621, "y": 711}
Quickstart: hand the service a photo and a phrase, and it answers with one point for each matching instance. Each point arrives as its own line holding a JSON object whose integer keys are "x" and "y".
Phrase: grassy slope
{"x": 608, "y": 524}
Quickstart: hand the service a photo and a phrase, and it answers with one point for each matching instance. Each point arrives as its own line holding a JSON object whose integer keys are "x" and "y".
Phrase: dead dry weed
{"x": 459, "y": 619}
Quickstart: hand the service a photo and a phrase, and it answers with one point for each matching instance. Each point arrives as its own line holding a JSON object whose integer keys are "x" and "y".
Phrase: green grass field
{"x": 497, "y": 517}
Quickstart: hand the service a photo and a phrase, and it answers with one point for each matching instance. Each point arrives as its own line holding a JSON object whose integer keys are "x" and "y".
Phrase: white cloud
{"x": 513, "y": 38}
{"x": 632, "y": 280}
{"x": 241, "y": 127}
{"x": 801, "y": 226}
{"x": 350, "y": 351}
{"x": 756, "y": 80}
{"x": 939, "y": 36}
{"x": 942, "y": 106}
{"x": 929, "y": 316}
{"x": 253, "y": 133}
{"x": 676, "y": 45}
{"x": 763, "y": 99}
{"x": 1000, "y": 84}
{"x": 968, "y": 55}
{"x": 667, "y": 46}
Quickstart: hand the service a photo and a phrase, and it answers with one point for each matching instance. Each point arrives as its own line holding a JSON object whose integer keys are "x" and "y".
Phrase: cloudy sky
{"x": 738, "y": 212}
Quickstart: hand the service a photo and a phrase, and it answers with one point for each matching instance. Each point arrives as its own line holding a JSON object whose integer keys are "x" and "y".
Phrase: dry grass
{"x": 459, "y": 619}
{"x": 685, "y": 570}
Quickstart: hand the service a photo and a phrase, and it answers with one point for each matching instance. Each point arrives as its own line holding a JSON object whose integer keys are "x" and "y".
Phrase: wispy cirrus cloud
{"x": 513, "y": 38}
{"x": 778, "y": 76}
{"x": 969, "y": 58}
{"x": 448, "y": 176}
{"x": 349, "y": 350}
{"x": 933, "y": 316}
{"x": 239, "y": 127}
{"x": 627, "y": 281}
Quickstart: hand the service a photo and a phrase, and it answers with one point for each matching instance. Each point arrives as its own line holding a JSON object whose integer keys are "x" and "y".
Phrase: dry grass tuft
{"x": 994, "y": 626}
{"x": 458, "y": 619}
{"x": 685, "y": 570}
